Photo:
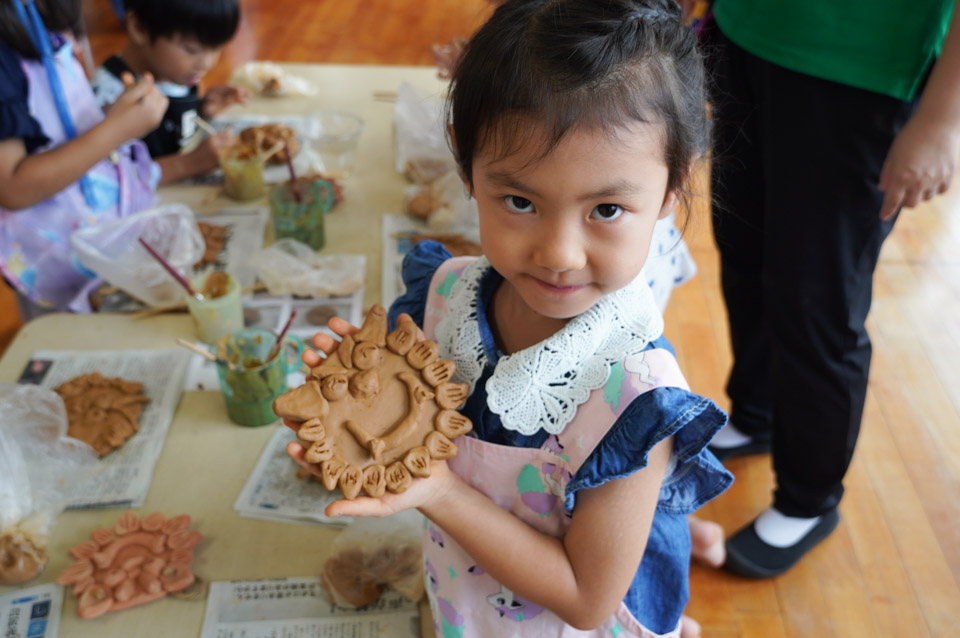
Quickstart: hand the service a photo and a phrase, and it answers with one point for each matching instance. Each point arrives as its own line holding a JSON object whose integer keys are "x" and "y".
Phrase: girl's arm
{"x": 582, "y": 578}
{"x": 27, "y": 179}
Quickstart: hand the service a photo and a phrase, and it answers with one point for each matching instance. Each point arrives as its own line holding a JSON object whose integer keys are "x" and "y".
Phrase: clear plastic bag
{"x": 443, "y": 204}
{"x": 290, "y": 267}
{"x": 112, "y": 251}
{"x": 422, "y": 152}
{"x": 34, "y": 455}
{"x": 373, "y": 554}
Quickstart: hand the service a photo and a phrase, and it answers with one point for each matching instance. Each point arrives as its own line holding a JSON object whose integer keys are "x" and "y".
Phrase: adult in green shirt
{"x": 829, "y": 116}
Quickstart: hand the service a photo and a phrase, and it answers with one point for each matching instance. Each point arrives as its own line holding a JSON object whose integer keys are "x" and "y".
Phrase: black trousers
{"x": 796, "y": 220}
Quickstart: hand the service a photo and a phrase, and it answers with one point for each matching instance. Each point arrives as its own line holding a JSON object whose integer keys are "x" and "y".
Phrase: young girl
{"x": 576, "y": 124}
{"x": 63, "y": 165}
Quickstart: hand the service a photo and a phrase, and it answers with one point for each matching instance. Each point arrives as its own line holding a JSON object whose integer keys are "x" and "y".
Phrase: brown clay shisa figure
{"x": 376, "y": 410}
{"x": 135, "y": 562}
{"x": 102, "y": 411}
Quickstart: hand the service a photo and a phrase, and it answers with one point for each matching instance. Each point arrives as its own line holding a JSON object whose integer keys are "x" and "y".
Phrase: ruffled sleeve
{"x": 417, "y": 270}
{"x": 15, "y": 119}
{"x": 695, "y": 475}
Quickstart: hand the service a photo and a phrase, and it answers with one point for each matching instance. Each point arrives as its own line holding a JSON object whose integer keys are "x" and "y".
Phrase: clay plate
{"x": 102, "y": 411}
{"x": 376, "y": 411}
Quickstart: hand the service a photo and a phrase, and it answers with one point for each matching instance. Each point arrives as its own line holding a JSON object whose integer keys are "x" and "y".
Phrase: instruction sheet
{"x": 274, "y": 492}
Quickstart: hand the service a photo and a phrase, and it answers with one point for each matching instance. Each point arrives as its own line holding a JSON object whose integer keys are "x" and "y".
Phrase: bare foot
{"x": 689, "y": 628}
{"x": 707, "y": 538}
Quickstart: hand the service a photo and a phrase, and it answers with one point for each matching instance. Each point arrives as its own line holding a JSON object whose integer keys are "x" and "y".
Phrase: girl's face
{"x": 568, "y": 228}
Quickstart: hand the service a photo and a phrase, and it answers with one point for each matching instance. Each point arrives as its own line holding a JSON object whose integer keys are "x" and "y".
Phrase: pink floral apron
{"x": 530, "y": 483}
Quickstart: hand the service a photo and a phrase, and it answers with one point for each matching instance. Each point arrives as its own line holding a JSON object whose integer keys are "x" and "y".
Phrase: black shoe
{"x": 748, "y": 555}
{"x": 751, "y": 447}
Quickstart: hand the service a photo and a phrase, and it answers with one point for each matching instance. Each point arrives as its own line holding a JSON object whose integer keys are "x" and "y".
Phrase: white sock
{"x": 779, "y": 530}
{"x": 729, "y": 436}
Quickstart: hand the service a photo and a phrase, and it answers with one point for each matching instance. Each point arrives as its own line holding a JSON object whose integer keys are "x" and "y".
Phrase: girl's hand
{"x": 139, "y": 110}
{"x": 920, "y": 164}
{"x": 327, "y": 344}
{"x": 423, "y": 492}
{"x": 218, "y": 98}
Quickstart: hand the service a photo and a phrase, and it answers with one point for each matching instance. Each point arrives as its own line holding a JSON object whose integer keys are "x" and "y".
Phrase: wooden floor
{"x": 892, "y": 568}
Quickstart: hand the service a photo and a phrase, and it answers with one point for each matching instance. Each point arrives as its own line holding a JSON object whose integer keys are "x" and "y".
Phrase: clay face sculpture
{"x": 135, "y": 562}
{"x": 102, "y": 411}
{"x": 377, "y": 409}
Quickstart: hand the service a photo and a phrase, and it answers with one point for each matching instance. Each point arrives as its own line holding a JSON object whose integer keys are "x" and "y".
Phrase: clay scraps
{"x": 356, "y": 578}
{"x": 21, "y": 559}
{"x": 134, "y": 562}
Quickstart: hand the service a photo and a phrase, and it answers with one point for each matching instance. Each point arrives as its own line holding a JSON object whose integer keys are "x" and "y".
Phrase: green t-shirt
{"x": 884, "y": 46}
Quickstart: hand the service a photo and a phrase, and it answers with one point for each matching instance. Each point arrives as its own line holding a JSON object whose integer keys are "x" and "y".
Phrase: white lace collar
{"x": 543, "y": 385}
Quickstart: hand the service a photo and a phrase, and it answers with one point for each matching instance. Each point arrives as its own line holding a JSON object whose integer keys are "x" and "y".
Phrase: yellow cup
{"x": 242, "y": 177}
{"x": 216, "y": 316}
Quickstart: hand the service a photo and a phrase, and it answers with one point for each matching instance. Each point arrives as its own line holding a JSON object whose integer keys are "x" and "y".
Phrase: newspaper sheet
{"x": 32, "y": 613}
{"x": 299, "y": 608}
{"x": 122, "y": 477}
{"x": 274, "y": 492}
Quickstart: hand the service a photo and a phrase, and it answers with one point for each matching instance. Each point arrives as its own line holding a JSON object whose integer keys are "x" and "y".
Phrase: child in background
{"x": 576, "y": 125}
{"x": 63, "y": 165}
{"x": 178, "y": 42}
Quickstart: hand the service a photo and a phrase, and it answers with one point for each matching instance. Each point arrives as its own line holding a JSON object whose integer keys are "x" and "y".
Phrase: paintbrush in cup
{"x": 276, "y": 346}
{"x": 293, "y": 175}
{"x": 170, "y": 269}
{"x": 206, "y": 354}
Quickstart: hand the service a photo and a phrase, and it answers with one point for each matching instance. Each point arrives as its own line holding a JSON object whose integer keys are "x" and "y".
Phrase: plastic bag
{"x": 270, "y": 80}
{"x": 373, "y": 554}
{"x": 112, "y": 251}
{"x": 443, "y": 204}
{"x": 34, "y": 454}
{"x": 290, "y": 267}
{"x": 422, "y": 152}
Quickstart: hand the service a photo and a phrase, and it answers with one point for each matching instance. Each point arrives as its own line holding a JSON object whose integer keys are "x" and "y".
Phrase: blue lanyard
{"x": 41, "y": 42}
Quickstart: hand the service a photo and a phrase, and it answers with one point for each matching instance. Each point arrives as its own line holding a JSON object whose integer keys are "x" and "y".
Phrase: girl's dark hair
{"x": 580, "y": 64}
{"x": 212, "y": 23}
{"x": 57, "y": 15}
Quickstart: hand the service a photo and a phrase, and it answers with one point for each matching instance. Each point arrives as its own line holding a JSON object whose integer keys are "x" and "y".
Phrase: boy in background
{"x": 178, "y": 41}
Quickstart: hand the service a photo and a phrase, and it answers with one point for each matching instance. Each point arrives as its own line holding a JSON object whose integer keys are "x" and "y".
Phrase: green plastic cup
{"x": 250, "y": 388}
{"x": 301, "y": 220}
